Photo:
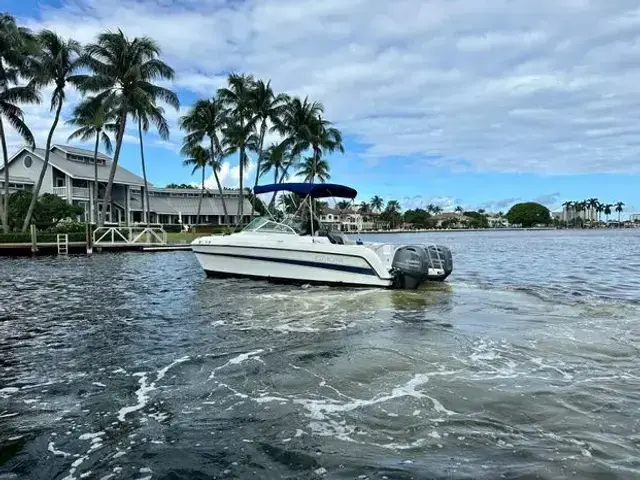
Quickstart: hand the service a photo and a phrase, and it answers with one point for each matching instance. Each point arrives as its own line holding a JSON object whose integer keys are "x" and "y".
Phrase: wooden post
{"x": 89, "y": 239}
{"x": 34, "y": 239}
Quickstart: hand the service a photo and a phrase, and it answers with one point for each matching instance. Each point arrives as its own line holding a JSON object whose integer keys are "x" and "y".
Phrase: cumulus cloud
{"x": 545, "y": 86}
{"x": 548, "y": 199}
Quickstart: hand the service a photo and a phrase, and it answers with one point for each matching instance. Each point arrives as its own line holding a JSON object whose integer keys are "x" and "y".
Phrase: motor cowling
{"x": 415, "y": 264}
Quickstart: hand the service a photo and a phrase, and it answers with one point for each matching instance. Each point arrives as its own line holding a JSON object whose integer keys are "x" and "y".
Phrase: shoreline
{"x": 430, "y": 230}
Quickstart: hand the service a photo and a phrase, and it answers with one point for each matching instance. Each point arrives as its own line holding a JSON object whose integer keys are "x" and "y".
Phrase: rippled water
{"x": 523, "y": 365}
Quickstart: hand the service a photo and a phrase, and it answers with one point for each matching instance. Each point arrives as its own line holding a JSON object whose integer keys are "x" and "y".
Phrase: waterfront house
{"x": 349, "y": 220}
{"x": 70, "y": 175}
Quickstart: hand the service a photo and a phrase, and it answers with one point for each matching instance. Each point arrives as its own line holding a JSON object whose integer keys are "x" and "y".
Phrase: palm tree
{"x": 607, "y": 210}
{"x": 302, "y": 126}
{"x": 276, "y": 158}
{"x": 459, "y": 209}
{"x": 15, "y": 43}
{"x": 56, "y": 61}
{"x": 200, "y": 158}
{"x": 619, "y": 209}
{"x": 393, "y": 209}
{"x": 310, "y": 169}
{"x": 123, "y": 74}
{"x": 364, "y": 208}
{"x": 149, "y": 113}
{"x": 238, "y": 138}
{"x": 237, "y": 96}
{"x": 431, "y": 208}
{"x": 377, "y": 203}
{"x": 266, "y": 106}
{"x": 592, "y": 205}
{"x": 93, "y": 120}
{"x": 437, "y": 209}
{"x": 599, "y": 210}
{"x": 206, "y": 119}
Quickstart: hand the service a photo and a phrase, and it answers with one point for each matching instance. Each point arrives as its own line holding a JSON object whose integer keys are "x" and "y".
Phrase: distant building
{"x": 452, "y": 217}
{"x": 349, "y": 220}
{"x": 497, "y": 221}
{"x": 70, "y": 175}
{"x": 570, "y": 213}
{"x": 634, "y": 217}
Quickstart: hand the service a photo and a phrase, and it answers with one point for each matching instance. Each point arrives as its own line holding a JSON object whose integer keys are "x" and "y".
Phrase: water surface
{"x": 524, "y": 364}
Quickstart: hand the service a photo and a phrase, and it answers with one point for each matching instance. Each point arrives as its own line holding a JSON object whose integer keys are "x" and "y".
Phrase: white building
{"x": 347, "y": 220}
{"x": 70, "y": 175}
{"x": 570, "y": 213}
{"x": 634, "y": 217}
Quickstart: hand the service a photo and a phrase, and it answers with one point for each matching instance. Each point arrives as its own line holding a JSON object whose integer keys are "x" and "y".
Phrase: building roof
{"x": 83, "y": 171}
{"x": 166, "y": 205}
{"x": 80, "y": 151}
{"x": 18, "y": 179}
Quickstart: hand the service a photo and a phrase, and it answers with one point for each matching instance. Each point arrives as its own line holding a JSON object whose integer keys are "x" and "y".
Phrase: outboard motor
{"x": 409, "y": 264}
{"x": 440, "y": 262}
{"x": 414, "y": 264}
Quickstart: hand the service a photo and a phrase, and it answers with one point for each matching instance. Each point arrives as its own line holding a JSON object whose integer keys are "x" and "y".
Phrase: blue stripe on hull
{"x": 304, "y": 263}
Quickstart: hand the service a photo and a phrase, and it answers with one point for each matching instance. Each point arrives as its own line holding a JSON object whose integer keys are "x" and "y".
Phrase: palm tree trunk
{"x": 95, "y": 178}
{"x": 147, "y": 211}
{"x": 241, "y": 198}
{"x": 36, "y": 188}
{"x": 215, "y": 174}
{"x": 314, "y": 165}
{"x": 263, "y": 130}
{"x": 5, "y": 200}
{"x": 114, "y": 165}
{"x": 204, "y": 167}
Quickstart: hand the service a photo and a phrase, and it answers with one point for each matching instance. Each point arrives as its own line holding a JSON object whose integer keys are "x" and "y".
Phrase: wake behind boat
{"x": 291, "y": 251}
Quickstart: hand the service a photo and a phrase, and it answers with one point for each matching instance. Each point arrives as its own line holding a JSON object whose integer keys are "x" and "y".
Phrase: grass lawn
{"x": 183, "y": 237}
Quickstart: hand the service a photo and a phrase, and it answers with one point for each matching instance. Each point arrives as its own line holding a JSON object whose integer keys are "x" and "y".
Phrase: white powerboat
{"x": 281, "y": 251}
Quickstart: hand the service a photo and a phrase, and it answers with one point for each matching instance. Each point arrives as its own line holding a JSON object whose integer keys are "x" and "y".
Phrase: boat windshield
{"x": 264, "y": 224}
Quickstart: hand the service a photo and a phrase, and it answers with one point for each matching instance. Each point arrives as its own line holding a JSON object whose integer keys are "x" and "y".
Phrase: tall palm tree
{"x": 15, "y": 45}
{"x": 431, "y": 208}
{"x": 123, "y": 73}
{"x": 459, "y": 209}
{"x": 237, "y": 96}
{"x": 243, "y": 139}
{"x": 205, "y": 120}
{"x": 437, "y": 209}
{"x": 296, "y": 122}
{"x": 93, "y": 120}
{"x": 599, "y": 210}
{"x": 312, "y": 169}
{"x": 276, "y": 158}
{"x": 377, "y": 203}
{"x": 56, "y": 61}
{"x": 147, "y": 113}
{"x": 266, "y": 107}
{"x": 592, "y": 205}
{"x": 619, "y": 209}
{"x": 607, "y": 210}
{"x": 364, "y": 208}
{"x": 200, "y": 158}
{"x": 393, "y": 209}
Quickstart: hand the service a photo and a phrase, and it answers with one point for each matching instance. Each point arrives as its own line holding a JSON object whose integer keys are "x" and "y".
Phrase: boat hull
{"x": 289, "y": 266}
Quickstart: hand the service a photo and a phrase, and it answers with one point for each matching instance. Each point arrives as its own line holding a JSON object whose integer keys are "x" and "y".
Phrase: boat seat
{"x": 337, "y": 237}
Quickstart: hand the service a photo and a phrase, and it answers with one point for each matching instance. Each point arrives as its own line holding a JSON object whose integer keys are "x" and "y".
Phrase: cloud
{"x": 545, "y": 86}
{"x": 549, "y": 199}
{"x": 421, "y": 201}
{"x": 500, "y": 204}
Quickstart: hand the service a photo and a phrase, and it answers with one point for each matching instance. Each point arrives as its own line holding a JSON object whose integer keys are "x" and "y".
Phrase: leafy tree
{"x": 478, "y": 220}
{"x": 419, "y": 218}
{"x": 15, "y": 45}
{"x": 529, "y": 214}
{"x": 50, "y": 209}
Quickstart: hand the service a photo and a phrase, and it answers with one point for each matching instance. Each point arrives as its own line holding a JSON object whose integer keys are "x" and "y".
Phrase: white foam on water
{"x": 7, "y": 415}
{"x": 119, "y": 370}
{"x": 85, "y": 474}
{"x": 91, "y": 436}
{"x": 218, "y": 323}
{"x": 108, "y": 477}
{"x": 98, "y": 384}
{"x": 145, "y": 478}
{"x": 238, "y": 360}
{"x": 7, "y": 391}
{"x": 145, "y": 470}
{"x": 434, "y": 434}
{"x": 52, "y": 448}
{"x": 119, "y": 454}
{"x": 144, "y": 390}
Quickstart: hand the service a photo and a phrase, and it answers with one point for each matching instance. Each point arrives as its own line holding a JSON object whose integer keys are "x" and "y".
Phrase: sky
{"x": 478, "y": 103}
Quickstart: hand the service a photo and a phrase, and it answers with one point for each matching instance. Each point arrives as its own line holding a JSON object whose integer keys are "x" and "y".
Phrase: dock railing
{"x": 129, "y": 236}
